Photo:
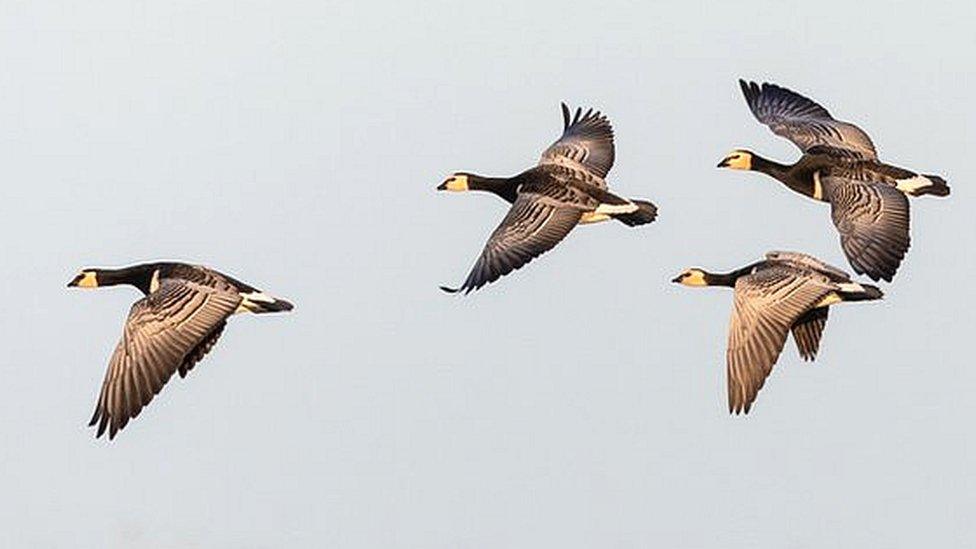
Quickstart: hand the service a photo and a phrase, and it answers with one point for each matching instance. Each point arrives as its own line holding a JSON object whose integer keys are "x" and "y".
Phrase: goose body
{"x": 787, "y": 292}
{"x": 840, "y": 166}
{"x": 567, "y": 188}
{"x": 182, "y": 314}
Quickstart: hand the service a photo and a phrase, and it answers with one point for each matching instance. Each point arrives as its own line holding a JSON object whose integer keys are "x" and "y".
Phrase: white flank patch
{"x": 592, "y": 217}
{"x": 817, "y": 186}
{"x": 154, "y": 282}
{"x": 251, "y": 300}
{"x": 258, "y": 297}
{"x": 851, "y": 287}
{"x": 611, "y": 209}
{"x": 913, "y": 184}
{"x": 831, "y": 299}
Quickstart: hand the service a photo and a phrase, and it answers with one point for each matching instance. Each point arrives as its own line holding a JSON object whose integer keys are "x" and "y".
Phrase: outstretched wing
{"x": 533, "y": 226}
{"x": 805, "y": 123}
{"x": 168, "y": 330}
{"x": 587, "y": 142}
{"x": 767, "y": 304}
{"x": 873, "y": 222}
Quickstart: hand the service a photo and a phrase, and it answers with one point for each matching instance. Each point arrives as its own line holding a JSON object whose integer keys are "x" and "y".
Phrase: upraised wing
{"x": 804, "y": 122}
{"x": 587, "y": 143}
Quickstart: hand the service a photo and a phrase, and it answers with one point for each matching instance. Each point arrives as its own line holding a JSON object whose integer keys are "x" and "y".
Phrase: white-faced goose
{"x": 179, "y": 320}
{"x": 788, "y": 291}
{"x": 868, "y": 198}
{"x": 566, "y": 188}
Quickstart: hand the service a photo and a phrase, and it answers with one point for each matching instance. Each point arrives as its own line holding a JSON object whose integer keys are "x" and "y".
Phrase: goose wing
{"x": 767, "y": 304}
{"x": 873, "y": 222}
{"x": 806, "y": 261}
{"x": 166, "y": 331}
{"x": 805, "y": 123}
{"x": 534, "y": 225}
{"x": 807, "y": 331}
{"x": 587, "y": 143}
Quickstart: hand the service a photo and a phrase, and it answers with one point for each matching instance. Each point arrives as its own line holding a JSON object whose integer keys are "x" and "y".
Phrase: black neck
{"x": 139, "y": 276}
{"x": 728, "y": 279}
{"x": 774, "y": 169}
{"x": 504, "y": 187}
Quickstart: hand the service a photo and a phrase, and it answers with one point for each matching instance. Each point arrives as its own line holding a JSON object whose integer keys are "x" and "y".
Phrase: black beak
{"x": 723, "y": 164}
{"x": 677, "y": 278}
{"x": 442, "y": 186}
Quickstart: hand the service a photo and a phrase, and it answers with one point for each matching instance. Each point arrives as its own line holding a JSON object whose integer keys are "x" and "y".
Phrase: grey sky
{"x": 579, "y": 402}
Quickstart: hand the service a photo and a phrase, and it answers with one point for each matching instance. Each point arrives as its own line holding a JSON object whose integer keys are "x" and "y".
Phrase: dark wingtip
{"x": 740, "y": 409}
{"x": 565, "y": 115}
{"x": 751, "y": 91}
{"x": 449, "y": 289}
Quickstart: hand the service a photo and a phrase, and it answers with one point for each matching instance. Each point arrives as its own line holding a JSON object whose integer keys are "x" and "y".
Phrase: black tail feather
{"x": 277, "y": 306}
{"x": 939, "y": 187}
{"x": 870, "y": 293}
{"x": 646, "y": 214}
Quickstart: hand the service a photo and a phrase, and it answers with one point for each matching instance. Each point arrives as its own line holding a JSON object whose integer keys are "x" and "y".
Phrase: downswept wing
{"x": 161, "y": 331}
{"x": 808, "y": 330}
{"x": 873, "y": 222}
{"x": 533, "y": 226}
{"x": 767, "y": 305}
{"x": 587, "y": 143}
{"x": 804, "y": 122}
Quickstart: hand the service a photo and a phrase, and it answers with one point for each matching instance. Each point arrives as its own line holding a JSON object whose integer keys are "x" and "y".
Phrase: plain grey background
{"x": 579, "y": 402}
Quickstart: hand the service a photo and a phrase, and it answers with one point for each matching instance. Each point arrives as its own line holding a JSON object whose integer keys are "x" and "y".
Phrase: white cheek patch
{"x": 154, "y": 282}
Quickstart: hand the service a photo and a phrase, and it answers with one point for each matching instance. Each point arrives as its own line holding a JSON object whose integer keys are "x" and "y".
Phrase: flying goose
{"x": 868, "y": 198}
{"x": 179, "y": 320}
{"x": 568, "y": 187}
{"x": 786, "y": 292}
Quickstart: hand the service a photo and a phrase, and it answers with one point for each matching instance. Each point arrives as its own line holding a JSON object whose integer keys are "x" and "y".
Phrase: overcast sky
{"x": 579, "y": 402}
